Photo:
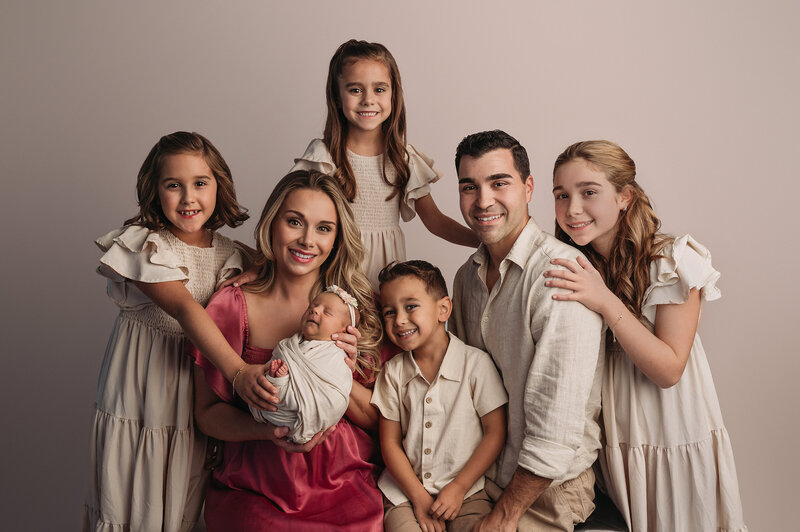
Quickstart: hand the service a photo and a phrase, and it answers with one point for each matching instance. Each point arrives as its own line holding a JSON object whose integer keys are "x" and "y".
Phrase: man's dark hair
{"x": 426, "y": 272}
{"x": 479, "y": 144}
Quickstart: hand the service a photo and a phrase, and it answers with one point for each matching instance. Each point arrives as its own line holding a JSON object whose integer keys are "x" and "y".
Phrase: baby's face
{"x": 325, "y": 315}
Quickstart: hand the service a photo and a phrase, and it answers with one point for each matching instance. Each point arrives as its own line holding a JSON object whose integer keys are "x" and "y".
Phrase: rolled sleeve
{"x": 559, "y": 385}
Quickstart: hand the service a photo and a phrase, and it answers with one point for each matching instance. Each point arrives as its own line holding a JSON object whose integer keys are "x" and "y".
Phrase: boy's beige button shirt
{"x": 440, "y": 420}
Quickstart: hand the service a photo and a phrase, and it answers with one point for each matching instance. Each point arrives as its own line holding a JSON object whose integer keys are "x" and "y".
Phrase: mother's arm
{"x": 359, "y": 410}
{"x": 225, "y": 422}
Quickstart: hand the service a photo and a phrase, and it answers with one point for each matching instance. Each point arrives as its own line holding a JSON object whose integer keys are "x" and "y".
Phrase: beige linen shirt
{"x": 549, "y": 354}
{"x": 441, "y": 420}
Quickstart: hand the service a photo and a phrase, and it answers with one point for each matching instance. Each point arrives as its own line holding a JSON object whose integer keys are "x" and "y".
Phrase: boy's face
{"x": 411, "y": 316}
{"x": 325, "y": 315}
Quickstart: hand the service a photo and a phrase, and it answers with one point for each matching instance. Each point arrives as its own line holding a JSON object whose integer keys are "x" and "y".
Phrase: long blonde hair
{"x": 342, "y": 267}
{"x": 637, "y": 243}
{"x": 393, "y": 128}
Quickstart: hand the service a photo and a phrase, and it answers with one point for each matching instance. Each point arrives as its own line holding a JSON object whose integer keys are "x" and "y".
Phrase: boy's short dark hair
{"x": 426, "y": 272}
{"x": 479, "y": 144}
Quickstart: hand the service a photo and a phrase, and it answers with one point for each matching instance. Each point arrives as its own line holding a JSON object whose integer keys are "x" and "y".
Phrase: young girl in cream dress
{"x": 667, "y": 460}
{"x": 162, "y": 267}
{"x": 364, "y": 147}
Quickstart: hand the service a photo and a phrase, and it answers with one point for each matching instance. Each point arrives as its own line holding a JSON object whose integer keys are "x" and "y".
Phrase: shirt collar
{"x": 527, "y": 240}
{"x": 452, "y": 367}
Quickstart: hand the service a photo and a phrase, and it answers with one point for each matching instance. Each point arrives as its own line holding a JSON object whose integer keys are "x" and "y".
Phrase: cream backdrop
{"x": 701, "y": 94}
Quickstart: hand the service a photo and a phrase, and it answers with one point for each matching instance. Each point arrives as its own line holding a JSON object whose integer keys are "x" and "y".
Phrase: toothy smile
{"x": 405, "y": 334}
{"x": 579, "y": 225}
{"x": 300, "y": 256}
{"x": 488, "y": 218}
{"x": 368, "y": 114}
{"x": 188, "y": 213}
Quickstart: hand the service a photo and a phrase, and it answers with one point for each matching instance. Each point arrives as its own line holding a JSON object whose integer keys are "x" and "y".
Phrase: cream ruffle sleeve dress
{"x": 146, "y": 456}
{"x": 314, "y": 395}
{"x": 667, "y": 459}
{"x": 377, "y": 219}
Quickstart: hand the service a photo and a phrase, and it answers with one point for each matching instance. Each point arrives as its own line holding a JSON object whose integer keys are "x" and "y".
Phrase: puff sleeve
{"x": 316, "y": 157}
{"x": 421, "y": 175}
{"x": 684, "y": 265}
{"x": 135, "y": 253}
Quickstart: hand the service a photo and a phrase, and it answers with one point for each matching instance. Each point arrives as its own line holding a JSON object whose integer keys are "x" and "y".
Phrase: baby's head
{"x": 414, "y": 303}
{"x": 330, "y": 312}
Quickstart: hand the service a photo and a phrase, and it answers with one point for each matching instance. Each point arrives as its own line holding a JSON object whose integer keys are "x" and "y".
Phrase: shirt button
{"x": 428, "y": 400}
{"x": 428, "y": 424}
{"x": 427, "y": 475}
{"x": 427, "y": 451}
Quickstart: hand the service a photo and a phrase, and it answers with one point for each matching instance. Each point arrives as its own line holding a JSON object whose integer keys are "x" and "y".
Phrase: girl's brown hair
{"x": 227, "y": 211}
{"x": 637, "y": 243}
{"x": 393, "y": 128}
{"x": 342, "y": 267}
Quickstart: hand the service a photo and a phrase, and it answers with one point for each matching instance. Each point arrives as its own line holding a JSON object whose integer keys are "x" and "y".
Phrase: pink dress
{"x": 260, "y": 487}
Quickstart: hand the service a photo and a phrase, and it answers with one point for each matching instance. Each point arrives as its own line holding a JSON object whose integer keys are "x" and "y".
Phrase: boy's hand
{"x": 422, "y": 513}
{"x": 448, "y": 502}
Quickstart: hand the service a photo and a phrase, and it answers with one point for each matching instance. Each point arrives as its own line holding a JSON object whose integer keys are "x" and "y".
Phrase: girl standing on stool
{"x": 364, "y": 147}
{"x": 667, "y": 460}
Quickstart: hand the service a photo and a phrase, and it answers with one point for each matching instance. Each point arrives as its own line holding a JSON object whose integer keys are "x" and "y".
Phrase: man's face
{"x": 494, "y": 198}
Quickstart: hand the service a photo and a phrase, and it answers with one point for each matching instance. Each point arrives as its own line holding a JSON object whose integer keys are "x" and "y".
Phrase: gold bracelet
{"x": 611, "y": 328}
{"x": 233, "y": 381}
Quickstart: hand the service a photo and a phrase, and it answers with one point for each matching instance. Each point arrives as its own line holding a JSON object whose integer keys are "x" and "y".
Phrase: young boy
{"x": 443, "y": 419}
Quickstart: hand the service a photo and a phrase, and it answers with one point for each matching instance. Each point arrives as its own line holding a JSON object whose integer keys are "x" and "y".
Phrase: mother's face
{"x": 304, "y": 232}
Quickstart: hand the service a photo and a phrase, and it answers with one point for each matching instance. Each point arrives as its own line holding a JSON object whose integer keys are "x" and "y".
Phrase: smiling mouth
{"x": 486, "y": 218}
{"x": 188, "y": 214}
{"x": 406, "y": 334}
{"x": 300, "y": 256}
{"x": 368, "y": 114}
{"x": 580, "y": 225}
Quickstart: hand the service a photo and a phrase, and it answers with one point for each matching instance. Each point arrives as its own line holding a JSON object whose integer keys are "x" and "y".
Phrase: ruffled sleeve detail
{"x": 316, "y": 157}
{"x": 135, "y": 253}
{"x": 421, "y": 175}
{"x": 234, "y": 265}
{"x": 227, "y": 309}
{"x": 686, "y": 264}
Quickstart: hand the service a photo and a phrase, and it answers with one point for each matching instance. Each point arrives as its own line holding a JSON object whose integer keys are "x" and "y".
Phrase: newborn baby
{"x": 310, "y": 372}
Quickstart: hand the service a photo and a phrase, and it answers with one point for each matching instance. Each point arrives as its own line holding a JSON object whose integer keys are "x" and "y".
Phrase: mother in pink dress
{"x": 307, "y": 240}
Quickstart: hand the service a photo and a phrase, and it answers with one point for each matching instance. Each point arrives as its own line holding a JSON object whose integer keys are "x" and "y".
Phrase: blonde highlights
{"x": 393, "y": 128}
{"x": 637, "y": 243}
{"x": 342, "y": 267}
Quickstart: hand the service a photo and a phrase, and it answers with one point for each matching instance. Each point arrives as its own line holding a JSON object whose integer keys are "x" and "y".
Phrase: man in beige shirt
{"x": 549, "y": 353}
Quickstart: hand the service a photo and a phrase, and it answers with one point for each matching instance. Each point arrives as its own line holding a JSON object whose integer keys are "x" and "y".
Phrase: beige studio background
{"x": 701, "y": 94}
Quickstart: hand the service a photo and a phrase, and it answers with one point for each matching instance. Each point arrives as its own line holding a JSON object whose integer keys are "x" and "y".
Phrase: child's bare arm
{"x": 200, "y": 329}
{"x": 448, "y": 502}
{"x": 442, "y": 225}
{"x": 391, "y": 437}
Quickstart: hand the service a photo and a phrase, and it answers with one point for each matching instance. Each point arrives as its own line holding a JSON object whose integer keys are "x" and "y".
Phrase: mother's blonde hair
{"x": 342, "y": 267}
{"x": 637, "y": 243}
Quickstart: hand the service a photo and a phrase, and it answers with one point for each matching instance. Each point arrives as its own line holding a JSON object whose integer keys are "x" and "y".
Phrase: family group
{"x": 321, "y": 381}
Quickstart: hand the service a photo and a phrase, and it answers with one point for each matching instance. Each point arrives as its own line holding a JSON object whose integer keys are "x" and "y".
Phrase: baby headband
{"x": 349, "y": 300}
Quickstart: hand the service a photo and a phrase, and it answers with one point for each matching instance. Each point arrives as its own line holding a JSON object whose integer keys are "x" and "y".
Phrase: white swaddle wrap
{"x": 315, "y": 393}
